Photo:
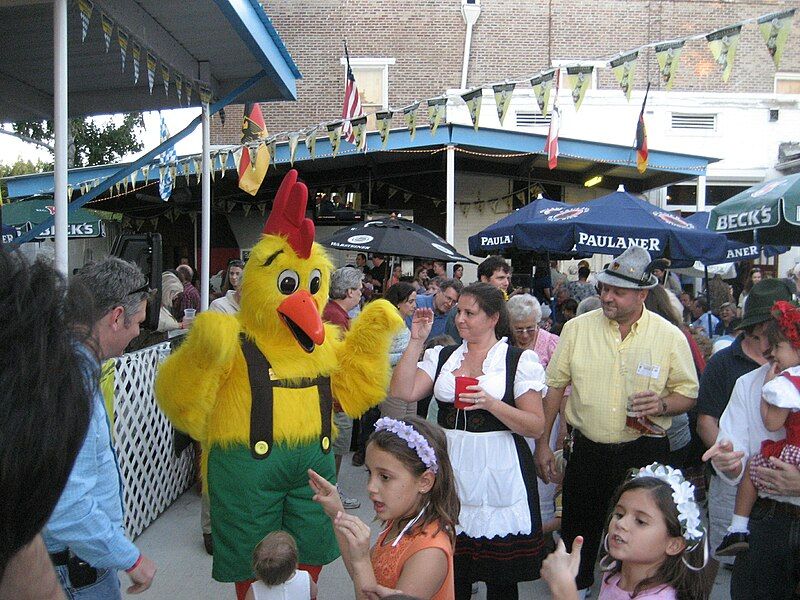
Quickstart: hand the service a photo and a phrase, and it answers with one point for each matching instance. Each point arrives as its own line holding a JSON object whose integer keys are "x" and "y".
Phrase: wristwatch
{"x": 663, "y": 407}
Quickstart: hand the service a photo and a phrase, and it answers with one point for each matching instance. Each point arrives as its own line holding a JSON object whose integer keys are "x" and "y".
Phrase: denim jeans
{"x": 105, "y": 588}
{"x": 770, "y": 569}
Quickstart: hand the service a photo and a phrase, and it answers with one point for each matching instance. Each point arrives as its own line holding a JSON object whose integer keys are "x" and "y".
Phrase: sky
{"x": 12, "y": 148}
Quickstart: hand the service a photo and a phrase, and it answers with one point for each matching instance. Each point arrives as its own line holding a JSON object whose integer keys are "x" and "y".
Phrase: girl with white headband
{"x": 655, "y": 545}
{"x": 412, "y": 488}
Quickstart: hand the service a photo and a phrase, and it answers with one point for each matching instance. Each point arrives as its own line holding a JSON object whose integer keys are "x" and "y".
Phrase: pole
{"x": 205, "y": 212}
{"x": 708, "y": 301}
{"x": 451, "y": 196}
{"x": 60, "y": 124}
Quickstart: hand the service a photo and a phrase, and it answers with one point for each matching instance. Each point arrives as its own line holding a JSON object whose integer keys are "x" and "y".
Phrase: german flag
{"x": 641, "y": 138}
{"x": 253, "y": 128}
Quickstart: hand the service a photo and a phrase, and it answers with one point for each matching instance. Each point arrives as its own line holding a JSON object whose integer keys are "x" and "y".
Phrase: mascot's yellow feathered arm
{"x": 188, "y": 381}
{"x": 362, "y": 377}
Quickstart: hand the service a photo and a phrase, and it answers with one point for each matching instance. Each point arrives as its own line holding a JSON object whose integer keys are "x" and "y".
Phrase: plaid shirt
{"x": 189, "y": 299}
{"x": 88, "y": 516}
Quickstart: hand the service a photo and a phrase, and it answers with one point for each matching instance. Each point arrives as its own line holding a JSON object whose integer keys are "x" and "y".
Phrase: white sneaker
{"x": 349, "y": 503}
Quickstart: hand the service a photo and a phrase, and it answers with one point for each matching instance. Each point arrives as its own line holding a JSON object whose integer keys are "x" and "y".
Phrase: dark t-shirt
{"x": 722, "y": 371}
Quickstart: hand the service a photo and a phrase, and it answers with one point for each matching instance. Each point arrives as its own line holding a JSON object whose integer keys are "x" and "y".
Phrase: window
{"x": 530, "y": 118}
{"x": 372, "y": 80}
{"x": 684, "y": 196}
{"x": 694, "y": 122}
{"x": 787, "y": 83}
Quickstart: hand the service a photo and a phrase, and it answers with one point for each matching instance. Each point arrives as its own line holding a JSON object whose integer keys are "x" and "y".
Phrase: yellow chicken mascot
{"x": 256, "y": 390}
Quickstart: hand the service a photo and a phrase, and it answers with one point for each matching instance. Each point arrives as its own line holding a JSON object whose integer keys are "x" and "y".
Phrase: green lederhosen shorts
{"x": 250, "y": 498}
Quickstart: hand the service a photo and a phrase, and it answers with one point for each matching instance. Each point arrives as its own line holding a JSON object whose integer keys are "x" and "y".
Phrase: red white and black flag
{"x": 352, "y": 102}
{"x": 555, "y": 124}
{"x": 641, "y": 137}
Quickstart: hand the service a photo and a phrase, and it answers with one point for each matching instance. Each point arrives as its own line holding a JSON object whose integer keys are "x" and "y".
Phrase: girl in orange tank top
{"x": 412, "y": 488}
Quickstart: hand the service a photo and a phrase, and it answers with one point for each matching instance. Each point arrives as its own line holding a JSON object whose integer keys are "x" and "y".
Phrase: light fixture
{"x": 592, "y": 181}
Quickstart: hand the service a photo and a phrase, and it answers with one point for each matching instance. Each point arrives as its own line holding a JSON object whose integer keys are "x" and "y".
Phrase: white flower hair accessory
{"x": 415, "y": 440}
{"x": 683, "y": 496}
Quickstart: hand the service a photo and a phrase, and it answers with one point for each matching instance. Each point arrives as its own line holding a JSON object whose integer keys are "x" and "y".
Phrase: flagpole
{"x": 205, "y": 212}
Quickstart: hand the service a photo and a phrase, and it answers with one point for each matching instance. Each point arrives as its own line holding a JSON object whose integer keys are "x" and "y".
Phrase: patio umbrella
{"x": 609, "y": 225}
{"x": 25, "y": 214}
{"x": 395, "y": 237}
{"x": 768, "y": 213}
{"x": 736, "y": 250}
{"x": 9, "y": 233}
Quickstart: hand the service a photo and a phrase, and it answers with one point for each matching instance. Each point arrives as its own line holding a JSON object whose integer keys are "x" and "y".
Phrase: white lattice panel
{"x": 154, "y": 477}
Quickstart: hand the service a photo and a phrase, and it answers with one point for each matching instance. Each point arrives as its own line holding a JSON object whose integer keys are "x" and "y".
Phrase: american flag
{"x": 352, "y": 102}
{"x": 165, "y": 161}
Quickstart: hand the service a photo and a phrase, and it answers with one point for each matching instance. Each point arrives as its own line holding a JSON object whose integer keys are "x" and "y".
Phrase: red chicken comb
{"x": 288, "y": 216}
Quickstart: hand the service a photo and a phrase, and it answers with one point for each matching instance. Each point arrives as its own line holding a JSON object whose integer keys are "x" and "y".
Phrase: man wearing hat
{"x": 747, "y": 353}
{"x": 619, "y": 357}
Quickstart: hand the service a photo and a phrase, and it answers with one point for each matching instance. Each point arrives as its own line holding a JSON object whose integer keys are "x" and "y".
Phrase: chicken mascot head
{"x": 256, "y": 390}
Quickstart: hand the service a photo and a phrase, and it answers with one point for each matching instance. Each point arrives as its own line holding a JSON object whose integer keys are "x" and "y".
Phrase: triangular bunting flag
{"x": 624, "y": 67}
{"x": 436, "y": 112}
{"x": 146, "y": 173}
{"x": 165, "y": 77}
{"x": 335, "y": 136}
{"x": 294, "y": 138}
{"x": 151, "y": 71}
{"x": 136, "y": 54}
{"x": 122, "y": 40}
{"x": 473, "y": 99}
{"x": 86, "y": 7}
{"x": 126, "y": 183}
{"x": 359, "y": 126}
{"x": 205, "y": 95}
{"x": 579, "y": 77}
{"x": 775, "y": 29}
{"x": 198, "y": 168}
{"x": 224, "y": 161}
{"x": 108, "y": 29}
{"x": 383, "y": 120}
{"x": 154, "y": 222}
{"x": 668, "y": 55}
{"x": 189, "y": 87}
{"x": 722, "y": 44}
{"x": 406, "y": 196}
{"x": 246, "y": 208}
{"x": 133, "y": 178}
{"x": 542, "y": 85}
{"x": 117, "y": 188}
{"x": 311, "y": 142}
{"x": 237, "y": 157}
{"x": 262, "y": 207}
{"x": 69, "y": 192}
{"x": 410, "y": 117}
{"x": 173, "y": 169}
{"x": 272, "y": 144}
{"x": 179, "y": 86}
{"x": 502, "y": 98}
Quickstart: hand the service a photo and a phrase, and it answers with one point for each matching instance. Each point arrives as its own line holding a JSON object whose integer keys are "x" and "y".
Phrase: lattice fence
{"x": 154, "y": 477}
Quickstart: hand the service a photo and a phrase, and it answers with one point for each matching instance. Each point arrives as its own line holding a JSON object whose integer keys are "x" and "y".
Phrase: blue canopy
{"x": 9, "y": 233}
{"x": 736, "y": 251}
{"x": 606, "y": 225}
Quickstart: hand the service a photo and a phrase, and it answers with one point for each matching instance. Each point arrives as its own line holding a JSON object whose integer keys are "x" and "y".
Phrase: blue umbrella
{"x": 608, "y": 225}
{"x": 736, "y": 251}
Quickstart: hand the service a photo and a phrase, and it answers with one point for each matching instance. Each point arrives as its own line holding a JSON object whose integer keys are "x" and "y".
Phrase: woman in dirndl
{"x": 499, "y": 537}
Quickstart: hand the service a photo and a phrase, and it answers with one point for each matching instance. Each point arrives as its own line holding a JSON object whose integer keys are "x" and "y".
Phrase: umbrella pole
{"x": 708, "y": 301}
{"x": 60, "y": 125}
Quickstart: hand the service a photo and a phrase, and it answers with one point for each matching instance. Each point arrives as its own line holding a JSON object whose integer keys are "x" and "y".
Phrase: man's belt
{"x": 779, "y": 508}
{"x": 60, "y": 559}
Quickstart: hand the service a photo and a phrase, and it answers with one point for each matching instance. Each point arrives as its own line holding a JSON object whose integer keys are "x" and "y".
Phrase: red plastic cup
{"x": 462, "y": 383}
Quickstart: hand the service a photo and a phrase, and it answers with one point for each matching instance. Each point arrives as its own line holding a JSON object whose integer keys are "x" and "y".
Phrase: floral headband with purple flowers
{"x": 415, "y": 440}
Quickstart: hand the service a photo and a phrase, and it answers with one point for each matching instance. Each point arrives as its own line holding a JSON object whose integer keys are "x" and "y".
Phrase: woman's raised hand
{"x": 421, "y": 324}
{"x": 357, "y": 534}
{"x": 325, "y": 494}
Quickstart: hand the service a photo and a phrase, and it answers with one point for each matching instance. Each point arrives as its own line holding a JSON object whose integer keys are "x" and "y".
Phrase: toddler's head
{"x": 783, "y": 334}
{"x": 275, "y": 558}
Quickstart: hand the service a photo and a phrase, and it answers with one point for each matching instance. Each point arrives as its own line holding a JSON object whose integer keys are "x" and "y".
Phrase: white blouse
{"x": 529, "y": 376}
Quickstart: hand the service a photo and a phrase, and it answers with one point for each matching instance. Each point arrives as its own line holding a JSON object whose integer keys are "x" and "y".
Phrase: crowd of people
{"x": 607, "y": 418}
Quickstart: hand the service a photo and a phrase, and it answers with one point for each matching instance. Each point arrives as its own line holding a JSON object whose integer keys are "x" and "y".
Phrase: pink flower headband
{"x": 415, "y": 440}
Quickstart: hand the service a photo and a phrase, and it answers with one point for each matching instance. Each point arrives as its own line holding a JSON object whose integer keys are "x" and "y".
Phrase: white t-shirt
{"x": 782, "y": 393}
{"x": 297, "y": 587}
{"x": 529, "y": 376}
{"x": 741, "y": 424}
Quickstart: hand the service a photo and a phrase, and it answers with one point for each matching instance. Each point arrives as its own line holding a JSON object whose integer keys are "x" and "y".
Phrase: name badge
{"x": 645, "y": 370}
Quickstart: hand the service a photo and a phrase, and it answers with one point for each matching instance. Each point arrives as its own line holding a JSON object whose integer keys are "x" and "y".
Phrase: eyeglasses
{"x": 449, "y": 299}
{"x": 525, "y": 330}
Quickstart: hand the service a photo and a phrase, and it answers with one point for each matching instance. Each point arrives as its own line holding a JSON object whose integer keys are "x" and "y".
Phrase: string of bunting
{"x": 722, "y": 43}
{"x": 185, "y": 87}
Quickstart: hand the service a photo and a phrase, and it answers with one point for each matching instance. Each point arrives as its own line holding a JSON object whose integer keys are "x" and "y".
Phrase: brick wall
{"x": 512, "y": 38}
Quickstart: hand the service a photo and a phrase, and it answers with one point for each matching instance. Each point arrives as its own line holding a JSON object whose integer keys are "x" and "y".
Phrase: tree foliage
{"x": 90, "y": 143}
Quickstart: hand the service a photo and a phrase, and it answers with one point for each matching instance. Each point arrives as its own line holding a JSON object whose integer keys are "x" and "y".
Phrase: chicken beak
{"x": 299, "y": 312}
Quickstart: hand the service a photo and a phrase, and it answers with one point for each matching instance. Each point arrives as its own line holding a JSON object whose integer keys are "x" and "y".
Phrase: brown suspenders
{"x": 261, "y": 392}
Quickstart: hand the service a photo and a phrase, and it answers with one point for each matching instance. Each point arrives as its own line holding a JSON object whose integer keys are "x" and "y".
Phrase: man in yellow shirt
{"x": 622, "y": 361}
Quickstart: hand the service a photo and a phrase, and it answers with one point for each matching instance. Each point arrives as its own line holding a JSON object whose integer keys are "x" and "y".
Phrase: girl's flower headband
{"x": 683, "y": 496}
{"x": 415, "y": 440}
{"x": 788, "y": 316}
